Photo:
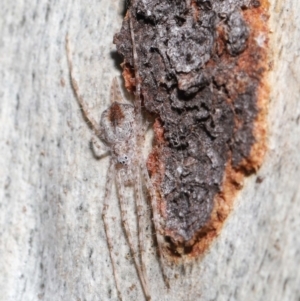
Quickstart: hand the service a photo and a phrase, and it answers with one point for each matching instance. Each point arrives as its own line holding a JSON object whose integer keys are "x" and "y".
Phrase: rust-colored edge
{"x": 257, "y": 19}
{"x": 234, "y": 177}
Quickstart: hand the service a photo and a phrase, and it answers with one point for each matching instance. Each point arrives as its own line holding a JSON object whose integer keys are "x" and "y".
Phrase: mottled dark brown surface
{"x": 200, "y": 78}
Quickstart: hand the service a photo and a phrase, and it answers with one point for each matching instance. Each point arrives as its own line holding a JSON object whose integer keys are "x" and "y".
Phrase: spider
{"x": 122, "y": 131}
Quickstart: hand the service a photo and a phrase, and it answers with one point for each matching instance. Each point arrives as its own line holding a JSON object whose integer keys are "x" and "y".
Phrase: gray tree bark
{"x": 52, "y": 239}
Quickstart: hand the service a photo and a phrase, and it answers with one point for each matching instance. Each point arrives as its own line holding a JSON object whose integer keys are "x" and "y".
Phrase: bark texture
{"x": 203, "y": 68}
{"x": 52, "y": 240}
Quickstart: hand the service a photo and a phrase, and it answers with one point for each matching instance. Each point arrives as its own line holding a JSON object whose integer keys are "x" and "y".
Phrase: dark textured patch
{"x": 199, "y": 78}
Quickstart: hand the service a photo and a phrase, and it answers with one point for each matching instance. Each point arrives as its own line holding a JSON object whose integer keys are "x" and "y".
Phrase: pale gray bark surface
{"x": 52, "y": 240}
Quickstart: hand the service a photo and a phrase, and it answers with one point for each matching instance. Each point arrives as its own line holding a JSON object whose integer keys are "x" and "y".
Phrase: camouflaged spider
{"x": 121, "y": 130}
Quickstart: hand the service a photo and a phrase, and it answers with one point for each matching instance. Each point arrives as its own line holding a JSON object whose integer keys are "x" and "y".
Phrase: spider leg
{"x": 85, "y": 110}
{"x": 138, "y": 102}
{"x": 141, "y": 129}
{"x": 141, "y": 219}
{"x": 156, "y": 221}
{"x": 108, "y": 185}
{"x": 134, "y": 253}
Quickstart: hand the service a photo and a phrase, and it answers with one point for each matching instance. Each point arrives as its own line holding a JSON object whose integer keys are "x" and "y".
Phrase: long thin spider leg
{"x": 140, "y": 138}
{"x": 129, "y": 236}
{"x": 108, "y": 185}
{"x": 156, "y": 220}
{"x": 138, "y": 102}
{"x": 141, "y": 219}
{"x": 89, "y": 118}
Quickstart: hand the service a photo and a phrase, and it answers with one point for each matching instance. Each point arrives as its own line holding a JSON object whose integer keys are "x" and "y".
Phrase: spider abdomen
{"x": 118, "y": 123}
